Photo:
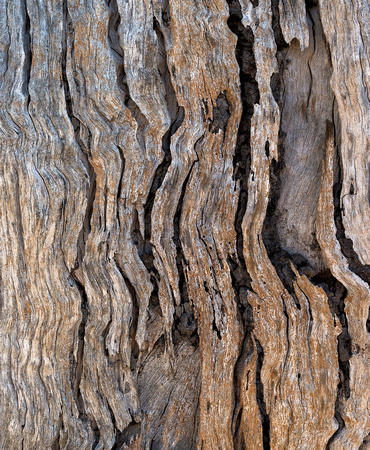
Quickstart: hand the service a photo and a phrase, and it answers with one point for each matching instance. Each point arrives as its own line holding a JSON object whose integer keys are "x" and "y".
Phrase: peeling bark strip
{"x": 184, "y": 224}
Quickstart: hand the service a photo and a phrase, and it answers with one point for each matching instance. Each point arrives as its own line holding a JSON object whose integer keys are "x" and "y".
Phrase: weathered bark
{"x": 185, "y": 254}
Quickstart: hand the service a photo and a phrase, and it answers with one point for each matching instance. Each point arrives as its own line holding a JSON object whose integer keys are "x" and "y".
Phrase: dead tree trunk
{"x": 185, "y": 209}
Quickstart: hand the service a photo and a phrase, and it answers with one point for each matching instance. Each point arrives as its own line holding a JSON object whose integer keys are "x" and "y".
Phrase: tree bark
{"x": 185, "y": 200}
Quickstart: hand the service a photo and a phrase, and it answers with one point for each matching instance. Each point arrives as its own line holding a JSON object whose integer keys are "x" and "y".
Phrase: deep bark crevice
{"x": 278, "y": 34}
{"x": 76, "y": 371}
{"x": 245, "y": 354}
{"x": 118, "y": 55}
{"x": 77, "y": 366}
{"x": 129, "y": 435}
{"x": 310, "y": 59}
{"x": 337, "y": 294}
{"x": 337, "y": 302}
{"x": 113, "y": 24}
{"x": 265, "y": 418}
{"x": 123, "y": 164}
{"x": 27, "y": 48}
{"x": 117, "y": 52}
{"x": 221, "y": 114}
{"x": 279, "y": 257}
{"x": 118, "y": 435}
{"x": 346, "y": 244}
{"x": 177, "y": 115}
{"x": 55, "y": 445}
{"x": 185, "y": 323}
{"x": 68, "y": 34}
{"x": 241, "y": 279}
{"x": 242, "y": 158}
{"x": 119, "y": 190}
{"x": 96, "y": 431}
{"x": 311, "y": 4}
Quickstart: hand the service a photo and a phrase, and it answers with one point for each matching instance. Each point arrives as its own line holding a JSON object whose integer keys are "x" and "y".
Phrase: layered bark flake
{"x": 185, "y": 257}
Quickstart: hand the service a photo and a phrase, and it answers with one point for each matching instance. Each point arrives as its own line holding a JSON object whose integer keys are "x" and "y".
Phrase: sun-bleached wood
{"x": 184, "y": 197}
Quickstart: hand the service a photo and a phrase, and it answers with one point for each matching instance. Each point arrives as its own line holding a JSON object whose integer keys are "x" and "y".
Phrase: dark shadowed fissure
{"x": 278, "y": 256}
{"x": 241, "y": 279}
{"x": 366, "y": 443}
{"x": 76, "y": 369}
{"x": 56, "y": 444}
{"x": 113, "y": 38}
{"x": 177, "y": 117}
{"x": 281, "y": 259}
{"x": 346, "y": 244}
{"x": 185, "y": 323}
{"x": 354, "y": 264}
{"x": 265, "y": 418}
{"x": 221, "y": 114}
{"x": 117, "y": 52}
{"x": 27, "y": 54}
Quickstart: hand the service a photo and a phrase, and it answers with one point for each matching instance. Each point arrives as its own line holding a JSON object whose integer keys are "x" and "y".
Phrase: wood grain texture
{"x": 184, "y": 200}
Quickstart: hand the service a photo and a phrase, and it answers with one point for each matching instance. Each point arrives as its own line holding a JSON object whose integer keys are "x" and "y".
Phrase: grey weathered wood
{"x": 184, "y": 209}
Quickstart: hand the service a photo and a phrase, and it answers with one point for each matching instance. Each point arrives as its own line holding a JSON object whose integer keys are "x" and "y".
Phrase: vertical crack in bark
{"x": 344, "y": 340}
{"x": 338, "y": 304}
{"x": 285, "y": 312}
{"x": 242, "y": 157}
{"x": 279, "y": 257}
{"x": 117, "y": 432}
{"x": 241, "y": 279}
{"x": 27, "y": 46}
{"x": 123, "y": 165}
{"x": 185, "y": 324}
{"x": 130, "y": 434}
{"x": 335, "y": 291}
{"x": 310, "y": 59}
{"x": 80, "y": 350}
{"x": 346, "y": 244}
{"x": 77, "y": 366}
{"x": 265, "y": 419}
{"x": 344, "y": 353}
{"x": 118, "y": 54}
{"x": 68, "y": 33}
{"x": 177, "y": 115}
{"x": 55, "y": 445}
{"x": 134, "y": 313}
{"x": 337, "y": 294}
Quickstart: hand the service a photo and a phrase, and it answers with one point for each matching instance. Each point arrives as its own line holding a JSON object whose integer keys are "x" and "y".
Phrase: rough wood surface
{"x": 184, "y": 209}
